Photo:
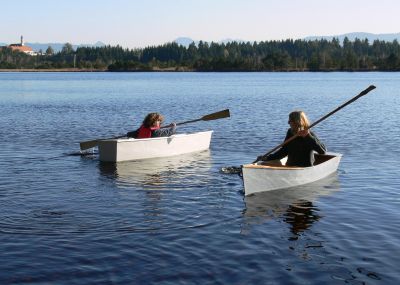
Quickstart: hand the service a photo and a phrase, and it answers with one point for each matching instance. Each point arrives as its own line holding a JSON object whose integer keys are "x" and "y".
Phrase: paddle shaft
{"x": 182, "y": 123}
{"x": 364, "y": 92}
{"x": 93, "y": 143}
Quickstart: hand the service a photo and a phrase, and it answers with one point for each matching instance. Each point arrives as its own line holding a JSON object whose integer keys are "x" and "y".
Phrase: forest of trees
{"x": 286, "y": 55}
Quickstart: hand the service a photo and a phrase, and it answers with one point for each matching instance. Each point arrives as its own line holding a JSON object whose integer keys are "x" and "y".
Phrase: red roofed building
{"x": 22, "y": 47}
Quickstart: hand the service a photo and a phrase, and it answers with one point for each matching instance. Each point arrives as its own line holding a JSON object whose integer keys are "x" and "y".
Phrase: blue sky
{"x": 134, "y": 23}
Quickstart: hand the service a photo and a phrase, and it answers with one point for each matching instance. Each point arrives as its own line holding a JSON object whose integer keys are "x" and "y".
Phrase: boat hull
{"x": 115, "y": 150}
{"x": 275, "y": 175}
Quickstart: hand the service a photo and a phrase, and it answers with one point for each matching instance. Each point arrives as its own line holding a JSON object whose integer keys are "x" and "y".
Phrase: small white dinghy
{"x": 124, "y": 149}
{"x": 274, "y": 174}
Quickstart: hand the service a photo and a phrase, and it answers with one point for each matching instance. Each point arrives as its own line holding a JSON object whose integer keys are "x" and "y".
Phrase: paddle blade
{"x": 217, "y": 115}
{"x": 371, "y": 87}
{"x": 231, "y": 170}
{"x": 88, "y": 144}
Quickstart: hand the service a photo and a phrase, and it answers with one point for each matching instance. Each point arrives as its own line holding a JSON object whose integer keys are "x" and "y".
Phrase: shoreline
{"x": 4, "y": 70}
{"x": 53, "y": 70}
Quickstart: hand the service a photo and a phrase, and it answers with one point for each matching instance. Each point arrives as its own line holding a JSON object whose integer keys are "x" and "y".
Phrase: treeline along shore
{"x": 286, "y": 55}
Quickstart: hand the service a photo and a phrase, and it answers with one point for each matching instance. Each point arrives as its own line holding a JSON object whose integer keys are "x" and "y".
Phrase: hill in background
{"x": 352, "y": 36}
{"x": 185, "y": 41}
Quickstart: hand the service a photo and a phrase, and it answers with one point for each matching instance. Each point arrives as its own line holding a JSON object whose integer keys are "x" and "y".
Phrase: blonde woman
{"x": 300, "y": 151}
{"x": 150, "y": 128}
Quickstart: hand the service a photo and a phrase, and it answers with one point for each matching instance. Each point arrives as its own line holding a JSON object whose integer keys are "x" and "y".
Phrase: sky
{"x": 141, "y": 23}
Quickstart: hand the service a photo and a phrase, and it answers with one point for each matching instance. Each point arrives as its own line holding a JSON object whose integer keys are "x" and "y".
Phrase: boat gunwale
{"x": 284, "y": 167}
{"x": 120, "y": 140}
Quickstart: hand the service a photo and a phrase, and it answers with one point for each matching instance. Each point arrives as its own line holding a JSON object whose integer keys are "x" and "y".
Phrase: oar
{"x": 90, "y": 144}
{"x": 371, "y": 87}
{"x": 214, "y": 116}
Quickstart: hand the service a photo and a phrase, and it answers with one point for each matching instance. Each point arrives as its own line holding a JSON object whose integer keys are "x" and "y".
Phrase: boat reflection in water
{"x": 151, "y": 186}
{"x": 169, "y": 173}
{"x": 295, "y": 206}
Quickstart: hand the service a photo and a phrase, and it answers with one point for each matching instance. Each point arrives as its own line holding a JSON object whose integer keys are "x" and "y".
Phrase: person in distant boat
{"x": 300, "y": 151}
{"x": 150, "y": 128}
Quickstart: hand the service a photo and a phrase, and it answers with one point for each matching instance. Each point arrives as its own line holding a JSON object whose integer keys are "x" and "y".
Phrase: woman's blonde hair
{"x": 151, "y": 119}
{"x": 300, "y": 119}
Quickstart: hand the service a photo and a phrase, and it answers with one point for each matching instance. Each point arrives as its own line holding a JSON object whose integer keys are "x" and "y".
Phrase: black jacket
{"x": 300, "y": 151}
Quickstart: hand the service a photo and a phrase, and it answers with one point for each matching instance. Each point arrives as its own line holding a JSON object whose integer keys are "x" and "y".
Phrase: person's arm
{"x": 132, "y": 134}
{"x": 317, "y": 145}
{"x": 166, "y": 132}
{"x": 281, "y": 153}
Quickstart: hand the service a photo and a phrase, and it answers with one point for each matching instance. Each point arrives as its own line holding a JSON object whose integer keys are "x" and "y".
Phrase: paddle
{"x": 371, "y": 87}
{"x": 90, "y": 144}
{"x": 214, "y": 116}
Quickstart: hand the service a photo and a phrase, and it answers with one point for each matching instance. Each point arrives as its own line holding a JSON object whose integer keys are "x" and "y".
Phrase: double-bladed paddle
{"x": 214, "y": 116}
{"x": 364, "y": 92}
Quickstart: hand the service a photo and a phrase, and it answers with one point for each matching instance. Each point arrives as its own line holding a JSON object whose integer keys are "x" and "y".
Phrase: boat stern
{"x": 108, "y": 150}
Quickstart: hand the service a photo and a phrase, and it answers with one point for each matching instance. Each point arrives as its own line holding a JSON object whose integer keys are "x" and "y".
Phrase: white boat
{"x": 274, "y": 174}
{"x": 124, "y": 149}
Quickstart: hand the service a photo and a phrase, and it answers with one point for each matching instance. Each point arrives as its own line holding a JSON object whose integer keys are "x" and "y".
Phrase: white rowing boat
{"x": 124, "y": 149}
{"x": 273, "y": 175}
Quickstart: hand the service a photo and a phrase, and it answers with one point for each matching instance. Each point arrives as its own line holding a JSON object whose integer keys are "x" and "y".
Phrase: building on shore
{"x": 22, "y": 47}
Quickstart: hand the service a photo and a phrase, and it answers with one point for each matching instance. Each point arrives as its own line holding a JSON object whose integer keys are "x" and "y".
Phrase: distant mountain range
{"x": 351, "y": 36}
{"x": 56, "y": 46}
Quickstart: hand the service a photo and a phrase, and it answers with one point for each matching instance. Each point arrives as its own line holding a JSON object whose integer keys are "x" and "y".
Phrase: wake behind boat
{"x": 124, "y": 149}
{"x": 272, "y": 175}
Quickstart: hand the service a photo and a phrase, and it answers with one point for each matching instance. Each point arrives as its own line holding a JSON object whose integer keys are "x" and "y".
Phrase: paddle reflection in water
{"x": 169, "y": 173}
{"x": 294, "y": 206}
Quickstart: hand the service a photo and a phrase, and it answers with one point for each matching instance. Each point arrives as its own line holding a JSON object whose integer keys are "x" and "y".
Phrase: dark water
{"x": 68, "y": 219}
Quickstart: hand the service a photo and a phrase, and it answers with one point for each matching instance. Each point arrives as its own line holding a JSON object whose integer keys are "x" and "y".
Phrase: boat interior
{"x": 281, "y": 164}
{"x": 320, "y": 158}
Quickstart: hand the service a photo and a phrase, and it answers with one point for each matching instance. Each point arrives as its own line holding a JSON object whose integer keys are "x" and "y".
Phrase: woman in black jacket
{"x": 300, "y": 151}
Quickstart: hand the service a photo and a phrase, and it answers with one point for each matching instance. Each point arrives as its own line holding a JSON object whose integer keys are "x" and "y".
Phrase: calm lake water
{"x": 67, "y": 219}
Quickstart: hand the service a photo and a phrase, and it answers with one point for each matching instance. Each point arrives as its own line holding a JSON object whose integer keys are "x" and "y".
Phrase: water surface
{"x": 68, "y": 219}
